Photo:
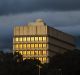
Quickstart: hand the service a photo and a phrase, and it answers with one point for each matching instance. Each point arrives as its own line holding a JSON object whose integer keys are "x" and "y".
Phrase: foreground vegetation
{"x": 61, "y": 64}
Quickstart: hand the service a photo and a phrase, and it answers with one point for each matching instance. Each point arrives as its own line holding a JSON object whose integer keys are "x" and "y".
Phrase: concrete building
{"x": 37, "y": 40}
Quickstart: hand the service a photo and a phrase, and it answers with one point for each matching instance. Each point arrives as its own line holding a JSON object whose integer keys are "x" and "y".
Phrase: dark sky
{"x": 61, "y": 14}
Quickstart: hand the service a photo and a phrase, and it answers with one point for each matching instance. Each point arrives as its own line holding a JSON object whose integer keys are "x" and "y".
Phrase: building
{"x": 39, "y": 41}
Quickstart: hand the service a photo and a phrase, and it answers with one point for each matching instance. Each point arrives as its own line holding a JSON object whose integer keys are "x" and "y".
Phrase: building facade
{"x": 39, "y": 41}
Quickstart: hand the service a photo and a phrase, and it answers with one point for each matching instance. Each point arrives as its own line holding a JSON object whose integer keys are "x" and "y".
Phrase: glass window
{"x": 28, "y": 38}
{"x": 20, "y": 39}
{"x": 44, "y": 59}
{"x": 40, "y": 59}
{"x": 40, "y": 45}
{"x": 24, "y": 52}
{"x": 36, "y": 38}
{"x": 40, "y": 38}
{"x": 37, "y": 58}
{"x": 32, "y": 45}
{"x": 28, "y": 52}
{"x": 44, "y": 38}
{"x": 44, "y": 45}
{"x": 28, "y": 45}
{"x": 44, "y": 52}
{"x": 32, "y": 38}
{"x": 36, "y": 45}
{"x": 16, "y": 51}
{"x": 36, "y": 52}
{"x": 28, "y": 58}
{"x": 24, "y": 46}
{"x": 40, "y": 52}
{"x": 16, "y": 46}
{"x": 20, "y": 52}
{"x": 32, "y": 58}
{"x": 20, "y": 46}
{"x": 24, "y": 58}
{"x": 16, "y": 39}
{"x": 24, "y": 39}
{"x": 32, "y": 52}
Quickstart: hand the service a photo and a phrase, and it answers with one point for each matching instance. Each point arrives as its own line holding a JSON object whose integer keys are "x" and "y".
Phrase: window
{"x": 28, "y": 58}
{"x": 40, "y": 45}
{"x": 24, "y": 46}
{"x": 16, "y": 39}
{"x": 44, "y": 38}
{"x": 16, "y": 46}
{"x": 28, "y": 45}
{"x": 20, "y": 46}
{"x": 36, "y": 52}
{"x": 36, "y": 45}
{"x": 20, "y": 39}
{"x": 37, "y": 58}
{"x": 24, "y": 52}
{"x": 32, "y": 38}
{"x": 20, "y": 52}
{"x": 44, "y": 45}
{"x": 32, "y": 52}
{"x": 32, "y": 45}
{"x": 16, "y": 51}
{"x": 44, "y": 52}
{"x": 40, "y": 53}
{"x": 44, "y": 59}
{"x": 36, "y": 38}
{"x": 28, "y": 38}
{"x": 28, "y": 52}
{"x": 24, "y": 39}
{"x": 40, "y": 38}
{"x": 40, "y": 59}
{"x": 24, "y": 58}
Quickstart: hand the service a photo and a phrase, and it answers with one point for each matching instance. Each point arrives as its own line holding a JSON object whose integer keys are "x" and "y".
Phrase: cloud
{"x": 20, "y": 6}
{"x": 67, "y": 21}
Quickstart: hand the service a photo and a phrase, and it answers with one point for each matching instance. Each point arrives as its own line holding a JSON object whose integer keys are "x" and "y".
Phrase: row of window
{"x": 42, "y": 52}
{"x": 25, "y": 46}
{"x": 24, "y": 39}
{"x": 42, "y": 59}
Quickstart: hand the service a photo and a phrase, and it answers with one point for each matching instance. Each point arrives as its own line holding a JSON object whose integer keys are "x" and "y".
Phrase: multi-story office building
{"x": 39, "y": 41}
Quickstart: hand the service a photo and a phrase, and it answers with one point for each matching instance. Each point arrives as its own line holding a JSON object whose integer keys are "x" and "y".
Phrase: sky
{"x": 60, "y": 14}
